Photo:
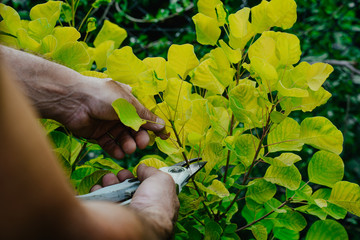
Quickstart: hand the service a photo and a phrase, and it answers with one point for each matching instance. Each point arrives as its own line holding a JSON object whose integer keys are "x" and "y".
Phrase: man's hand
{"x": 93, "y": 117}
{"x": 155, "y": 200}
{"x": 82, "y": 104}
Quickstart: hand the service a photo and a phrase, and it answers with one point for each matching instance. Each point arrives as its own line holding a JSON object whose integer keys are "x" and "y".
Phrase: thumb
{"x": 154, "y": 123}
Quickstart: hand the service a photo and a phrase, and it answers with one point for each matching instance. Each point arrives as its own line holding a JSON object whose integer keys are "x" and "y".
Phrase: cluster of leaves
{"x": 232, "y": 107}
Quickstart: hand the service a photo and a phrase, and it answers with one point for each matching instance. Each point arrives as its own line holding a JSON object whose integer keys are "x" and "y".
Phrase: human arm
{"x": 82, "y": 104}
{"x": 38, "y": 203}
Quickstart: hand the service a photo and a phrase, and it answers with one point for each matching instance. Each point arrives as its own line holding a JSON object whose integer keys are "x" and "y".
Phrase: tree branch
{"x": 343, "y": 63}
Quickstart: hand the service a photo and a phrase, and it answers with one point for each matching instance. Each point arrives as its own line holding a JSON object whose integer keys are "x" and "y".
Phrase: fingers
{"x": 110, "y": 179}
{"x": 144, "y": 172}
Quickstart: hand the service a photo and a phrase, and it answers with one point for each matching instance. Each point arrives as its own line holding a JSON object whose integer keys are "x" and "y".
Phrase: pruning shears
{"x": 122, "y": 192}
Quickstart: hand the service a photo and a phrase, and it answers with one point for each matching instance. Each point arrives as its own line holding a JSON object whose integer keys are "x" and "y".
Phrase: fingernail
{"x": 160, "y": 123}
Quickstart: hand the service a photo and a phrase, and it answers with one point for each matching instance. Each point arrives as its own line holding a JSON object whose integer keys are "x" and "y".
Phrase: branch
{"x": 140, "y": 20}
{"x": 258, "y": 220}
{"x": 343, "y": 63}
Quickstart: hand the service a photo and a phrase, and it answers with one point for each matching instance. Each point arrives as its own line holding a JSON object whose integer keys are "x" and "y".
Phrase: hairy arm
{"x": 82, "y": 104}
{"x": 37, "y": 202}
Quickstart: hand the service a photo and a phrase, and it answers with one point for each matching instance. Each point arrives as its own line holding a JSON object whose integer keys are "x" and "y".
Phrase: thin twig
{"x": 258, "y": 220}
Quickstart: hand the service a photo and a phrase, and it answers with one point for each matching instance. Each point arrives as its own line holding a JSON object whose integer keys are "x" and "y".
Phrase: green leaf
{"x": 331, "y": 209}
{"x": 260, "y": 190}
{"x": 213, "y": 154}
{"x": 50, "y": 125}
{"x": 320, "y": 133}
{"x": 207, "y": 30}
{"x": 244, "y": 104}
{"x": 26, "y": 42}
{"x": 327, "y": 230}
{"x": 219, "y": 189}
{"x": 168, "y": 147}
{"x": 245, "y": 146}
{"x": 346, "y": 195}
{"x": 110, "y": 31}
{"x": 105, "y": 164}
{"x": 292, "y": 220}
{"x": 90, "y": 24}
{"x": 39, "y": 28}
{"x": 326, "y": 168}
{"x": 124, "y": 66}
{"x": 182, "y": 59}
{"x": 302, "y": 193}
{"x": 97, "y": 3}
{"x": 213, "y": 231}
{"x": 282, "y": 233}
{"x": 48, "y": 45}
{"x": 286, "y": 176}
{"x": 127, "y": 114}
{"x": 82, "y": 171}
{"x": 49, "y": 10}
{"x": 259, "y": 232}
{"x": 10, "y": 20}
{"x": 72, "y": 55}
{"x": 89, "y": 181}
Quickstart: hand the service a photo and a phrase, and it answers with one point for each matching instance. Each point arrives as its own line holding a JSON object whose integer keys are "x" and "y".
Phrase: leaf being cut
{"x": 320, "y": 133}
{"x": 207, "y": 30}
{"x": 326, "y": 230}
{"x": 127, "y": 114}
{"x": 325, "y": 168}
{"x": 150, "y": 162}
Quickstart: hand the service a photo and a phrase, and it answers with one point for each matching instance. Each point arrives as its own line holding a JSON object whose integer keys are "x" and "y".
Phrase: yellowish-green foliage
{"x": 232, "y": 107}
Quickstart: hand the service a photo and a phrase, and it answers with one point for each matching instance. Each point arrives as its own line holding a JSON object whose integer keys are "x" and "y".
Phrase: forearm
{"x": 49, "y": 86}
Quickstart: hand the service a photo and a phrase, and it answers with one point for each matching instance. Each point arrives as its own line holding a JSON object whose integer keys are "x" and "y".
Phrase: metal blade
{"x": 184, "y": 163}
{"x": 195, "y": 167}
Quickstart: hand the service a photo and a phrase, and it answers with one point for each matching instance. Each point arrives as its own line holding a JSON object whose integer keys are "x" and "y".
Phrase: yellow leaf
{"x": 94, "y": 74}
{"x": 26, "y": 42}
{"x": 177, "y": 95}
{"x": 207, "y": 30}
{"x": 204, "y": 77}
{"x": 199, "y": 121}
{"x": 265, "y": 48}
{"x": 48, "y": 45}
{"x": 158, "y": 65}
{"x": 65, "y": 35}
{"x": 317, "y": 75}
{"x": 207, "y": 7}
{"x": 110, "y": 31}
{"x": 282, "y": 13}
{"x": 49, "y": 10}
{"x": 182, "y": 59}
{"x": 315, "y": 99}
{"x": 10, "y": 20}
{"x": 102, "y": 52}
{"x": 266, "y": 72}
{"x": 233, "y": 55}
{"x": 259, "y": 18}
{"x": 150, "y": 162}
{"x": 124, "y": 66}
{"x": 72, "y": 55}
{"x": 288, "y": 49}
{"x": 241, "y": 30}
